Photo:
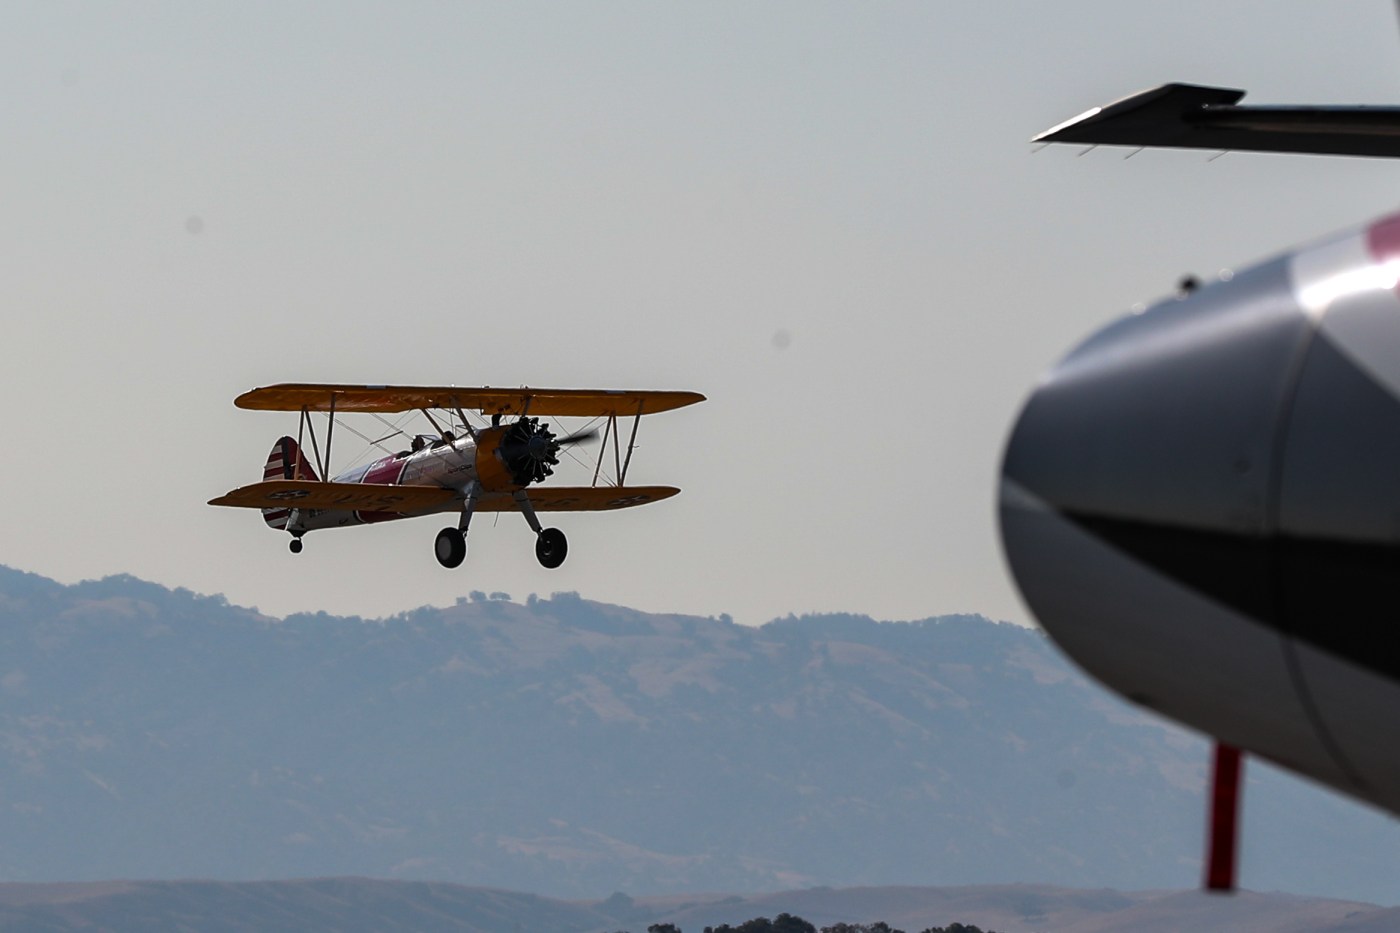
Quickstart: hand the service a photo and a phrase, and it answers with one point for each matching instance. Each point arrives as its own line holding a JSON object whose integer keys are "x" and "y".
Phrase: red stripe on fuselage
{"x": 386, "y": 472}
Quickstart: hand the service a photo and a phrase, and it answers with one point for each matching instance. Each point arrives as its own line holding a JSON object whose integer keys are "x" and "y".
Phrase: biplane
{"x": 493, "y": 466}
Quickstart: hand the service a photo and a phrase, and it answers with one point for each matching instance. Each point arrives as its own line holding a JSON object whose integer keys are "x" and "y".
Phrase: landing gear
{"x": 450, "y": 547}
{"x": 295, "y": 546}
{"x": 451, "y": 543}
{"x": 551, "y": 547}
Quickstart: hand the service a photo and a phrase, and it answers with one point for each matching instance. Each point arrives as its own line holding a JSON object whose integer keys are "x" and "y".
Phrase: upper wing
{"x": 578, "y": 498}
{"x": 577, "y": 402}
{"x": 1188, "y": 116}
{"x": 310, "y": 494}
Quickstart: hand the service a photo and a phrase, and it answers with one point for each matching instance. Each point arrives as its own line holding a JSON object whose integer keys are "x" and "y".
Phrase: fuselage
{"x": 1201, "y": 505}
{"x": 448, "y": 464}
{"x": 454, "y": 464}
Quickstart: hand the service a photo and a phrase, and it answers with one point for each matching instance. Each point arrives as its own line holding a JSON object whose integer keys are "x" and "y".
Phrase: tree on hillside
{"x": 783, "y": 923}
{"x": 663, "y": 928}
{"x": 881, "y": 926}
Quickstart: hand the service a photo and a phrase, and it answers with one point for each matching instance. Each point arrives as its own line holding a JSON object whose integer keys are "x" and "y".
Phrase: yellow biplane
{"x": 493, "y": 466}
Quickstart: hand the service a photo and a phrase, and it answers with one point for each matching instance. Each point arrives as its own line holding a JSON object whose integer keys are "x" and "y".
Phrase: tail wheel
{"x": 450, "y": 547}
{"x": 551, "y": 547}
{"x": 295, "y": 546}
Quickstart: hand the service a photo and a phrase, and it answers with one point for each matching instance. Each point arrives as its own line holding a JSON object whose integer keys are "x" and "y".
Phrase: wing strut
{"x": 456, "y": 406}
{"x": 607, "y": 432}
{"x": 301, "y": 429}
{"x": 631, "y": 445}
{"x": 306, "y": 426}
{"x": 330, "y": 429}
{"x": 315, "y": 447}
{"x": 611, "y": 431}
{"x": 1223, "y": 831}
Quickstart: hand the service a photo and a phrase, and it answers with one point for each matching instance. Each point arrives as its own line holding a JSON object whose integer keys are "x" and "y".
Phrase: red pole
{"x": 1224, "y": 818}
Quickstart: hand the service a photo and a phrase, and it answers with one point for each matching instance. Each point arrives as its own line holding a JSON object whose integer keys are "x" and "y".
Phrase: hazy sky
{"x": 824, "y": 216}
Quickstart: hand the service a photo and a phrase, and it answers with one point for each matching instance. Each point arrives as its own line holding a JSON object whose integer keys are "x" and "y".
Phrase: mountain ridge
{"x": 576, "y": 748}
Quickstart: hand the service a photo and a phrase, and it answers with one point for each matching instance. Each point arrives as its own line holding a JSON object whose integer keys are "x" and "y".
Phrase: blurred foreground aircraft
{"x": 1201, "y": 503}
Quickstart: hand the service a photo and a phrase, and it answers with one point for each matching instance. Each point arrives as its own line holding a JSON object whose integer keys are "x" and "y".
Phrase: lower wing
{"x": 578, "y": 498}
{"x": 309, "y": 494}
{"x": 372, "y": 497}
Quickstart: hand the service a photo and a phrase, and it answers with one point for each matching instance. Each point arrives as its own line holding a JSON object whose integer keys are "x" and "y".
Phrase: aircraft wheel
{"x": 551, "y": 547}
{"x": 295, "y": 546}
{"x": 450, "y": 547}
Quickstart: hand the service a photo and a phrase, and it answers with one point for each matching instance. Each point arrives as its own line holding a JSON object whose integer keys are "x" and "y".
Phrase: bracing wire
{"x": 395, "y": 428}
{"x": 569, "y": 451}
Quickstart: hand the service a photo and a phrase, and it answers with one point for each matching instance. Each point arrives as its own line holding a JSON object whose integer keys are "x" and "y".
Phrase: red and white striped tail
{"x": 286, "y": 461}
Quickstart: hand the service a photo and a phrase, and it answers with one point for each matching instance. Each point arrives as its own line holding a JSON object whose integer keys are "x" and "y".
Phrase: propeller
{"x": 581, "y": 437}
{"x": 530, "y": 451}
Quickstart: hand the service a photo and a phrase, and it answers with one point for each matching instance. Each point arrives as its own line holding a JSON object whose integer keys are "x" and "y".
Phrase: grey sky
{"x": 824, "y": 216}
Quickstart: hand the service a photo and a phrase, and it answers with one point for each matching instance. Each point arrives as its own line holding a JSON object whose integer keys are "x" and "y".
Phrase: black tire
{"x": 450, "y": 547}
{"x": 551, "y": 547}
{"x": 295, "y": 546}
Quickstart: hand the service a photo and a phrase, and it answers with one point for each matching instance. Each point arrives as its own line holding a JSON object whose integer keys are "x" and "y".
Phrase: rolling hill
{"x": 575, "y": 749}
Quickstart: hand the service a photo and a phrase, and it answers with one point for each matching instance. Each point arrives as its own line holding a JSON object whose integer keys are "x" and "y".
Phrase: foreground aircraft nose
{"x": 1201, "y": 505}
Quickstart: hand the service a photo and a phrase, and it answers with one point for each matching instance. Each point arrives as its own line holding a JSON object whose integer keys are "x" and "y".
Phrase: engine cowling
{"x": 516, "y": 455}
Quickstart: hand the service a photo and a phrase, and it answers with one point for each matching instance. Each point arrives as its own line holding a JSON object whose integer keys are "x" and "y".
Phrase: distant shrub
{"x": 783, "y": 923}
{"x": 881, "y": 926}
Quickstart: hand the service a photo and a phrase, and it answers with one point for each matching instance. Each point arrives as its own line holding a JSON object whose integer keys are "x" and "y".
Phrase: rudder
{"x": 286, "y": 461}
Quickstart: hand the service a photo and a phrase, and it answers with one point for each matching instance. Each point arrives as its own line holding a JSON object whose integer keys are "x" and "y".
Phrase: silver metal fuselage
{"x": 450, "y": 465}
{"x": 1201, "y": 505}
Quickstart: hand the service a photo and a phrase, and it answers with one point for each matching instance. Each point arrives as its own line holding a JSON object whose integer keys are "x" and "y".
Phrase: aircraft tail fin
{"x": 286, "y": 461}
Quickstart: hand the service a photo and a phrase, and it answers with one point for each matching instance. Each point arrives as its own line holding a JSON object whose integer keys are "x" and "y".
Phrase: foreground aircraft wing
{"x": 586, "y": 403}
{"x": 310, "y": 494}
{"x": 579, "y": 498}
{"x": 1189, "y": 116}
